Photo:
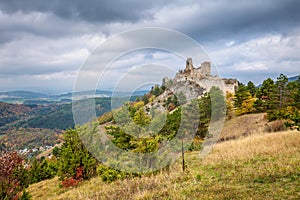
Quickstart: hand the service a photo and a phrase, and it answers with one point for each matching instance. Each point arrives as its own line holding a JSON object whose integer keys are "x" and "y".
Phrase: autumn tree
{"x": 141, "y": 118}
{"x": 247, "y": 105}
{"x": 13, "y": 176}
{"x": 294, "y": 120}
{"x": 241, "y": 95}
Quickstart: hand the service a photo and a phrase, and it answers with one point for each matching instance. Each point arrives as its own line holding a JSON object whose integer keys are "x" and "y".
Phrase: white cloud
{"x": 250, "y": 67}
{"x": 271, "y": 55}
{"x": 230, "y": 43}
{"x": 38, "y": 55}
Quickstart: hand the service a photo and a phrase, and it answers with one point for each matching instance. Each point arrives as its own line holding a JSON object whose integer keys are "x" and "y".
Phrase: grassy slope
{"x": 260, "y": 166}
{"x": 244, "y": 126}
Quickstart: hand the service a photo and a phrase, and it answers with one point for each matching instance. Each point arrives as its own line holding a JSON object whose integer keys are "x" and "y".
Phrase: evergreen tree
{"x": 172, "y": 124}
{"x": 157, "y": 90}
{"x": 251, "y": 88}
{"x": 218, "y": 103}
{"x": 145, "y": 99}
{"x": 205, "y": 115}
{"x": 281, "y": 89}
{"x": 293, "y": 93}
{"x": 75, "y": 156}
{"x": 181, "y": 98}
{"x": 41, "y": 170}
{"x": 120, "y": 138}
{"x": 241, "y": 95}
{"x": 122, "y": 115}
{"x": 266, "y": 96}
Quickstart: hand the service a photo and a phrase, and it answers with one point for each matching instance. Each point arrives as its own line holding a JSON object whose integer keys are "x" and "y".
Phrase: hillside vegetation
{"x": 62, "y": 117}
{"x": 10, "y": 113}
{"x": 49, "y": 116}
{"x": 261, "y": 166}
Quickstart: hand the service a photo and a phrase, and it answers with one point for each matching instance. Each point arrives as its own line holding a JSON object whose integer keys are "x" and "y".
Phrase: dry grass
{"x": 48, "y": 189}
{"x": 275, "y": 144}
{"x": 261, "y": 166}
{"x": 246, "y": 125}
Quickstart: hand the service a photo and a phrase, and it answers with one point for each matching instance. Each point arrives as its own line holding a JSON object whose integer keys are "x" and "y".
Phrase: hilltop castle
{"x": 202, "y": 76}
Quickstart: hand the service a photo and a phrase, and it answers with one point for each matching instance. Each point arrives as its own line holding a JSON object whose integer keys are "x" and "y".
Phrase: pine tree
{"x": 205, "y": 115}
{"x": 218, "y": 103}
{"x": 293, "y": 93}
{"x": 251, "y": 88}
{"x": 75, "y": 156}
{"x": 266, "y": 96}
{"x": 281, "y": 89}
{"x": 120, "y": 138}
{"x": 241, "y": 95}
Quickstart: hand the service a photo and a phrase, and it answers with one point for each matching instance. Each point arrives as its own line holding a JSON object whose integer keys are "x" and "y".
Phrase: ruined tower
{"x": 189, "y": 65}
{"x": 205, "y": 68}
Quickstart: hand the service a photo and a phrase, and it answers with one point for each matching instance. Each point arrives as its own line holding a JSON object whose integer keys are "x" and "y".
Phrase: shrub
{"x": 25, "y": 196}
{"x": 74, "y": 181}
{"x": 106, "y": 117}
{"x": 42, "y": 170}
{"x": 69, "y": 182}
{"x": 109, "y": 174}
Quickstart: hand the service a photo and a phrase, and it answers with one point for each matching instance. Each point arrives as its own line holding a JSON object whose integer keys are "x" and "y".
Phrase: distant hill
{"x": 28, "y": 97}
{"x": 10, "y": 113}
{"x": 23, "y": 94}
{"x": 294, "y": 78}
{"x": 100, "y": 93}
{"x": 62, "y": 117}
{"x": 36, "y": 110}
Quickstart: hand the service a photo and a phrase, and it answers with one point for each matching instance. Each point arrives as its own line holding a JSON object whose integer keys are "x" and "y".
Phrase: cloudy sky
{"x": 43, "y": 44}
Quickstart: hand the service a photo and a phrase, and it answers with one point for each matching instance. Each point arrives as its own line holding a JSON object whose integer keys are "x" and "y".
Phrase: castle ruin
{"x": 202, "y": 77}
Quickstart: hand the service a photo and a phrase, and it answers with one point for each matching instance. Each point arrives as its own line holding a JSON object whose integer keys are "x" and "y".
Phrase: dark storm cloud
{"x": 203, "y": 20}
{"x": 89, "y": 10}
{"x": 242, "y": 20}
